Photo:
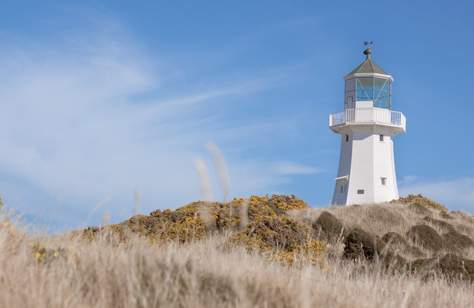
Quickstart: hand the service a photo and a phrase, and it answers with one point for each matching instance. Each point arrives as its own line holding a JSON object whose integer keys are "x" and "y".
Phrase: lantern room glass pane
{"x": 382, "y": 93}
{"x": 365, "y": 88}
{"x": 373, "y": 89}
{"x": 350, "y": 97}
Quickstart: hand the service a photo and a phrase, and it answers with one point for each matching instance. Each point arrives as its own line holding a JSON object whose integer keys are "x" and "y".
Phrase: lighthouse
{"x": 367, "y": 127}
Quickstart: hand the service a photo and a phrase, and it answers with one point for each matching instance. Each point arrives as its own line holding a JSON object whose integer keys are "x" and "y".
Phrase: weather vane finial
{"x": 368, "y": 50}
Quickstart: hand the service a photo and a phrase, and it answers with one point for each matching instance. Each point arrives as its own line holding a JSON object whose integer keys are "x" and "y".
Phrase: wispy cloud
{"x": 292, "y": 168}
{"x": 77, "y": 128}
{"x": 457, "y": 193}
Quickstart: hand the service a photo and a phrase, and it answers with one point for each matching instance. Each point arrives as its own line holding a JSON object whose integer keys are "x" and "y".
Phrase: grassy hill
{"x": 270, "y": 251}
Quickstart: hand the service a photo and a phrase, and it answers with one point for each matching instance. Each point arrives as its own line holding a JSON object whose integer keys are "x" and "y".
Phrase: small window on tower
{"x": 341, "y": 189}
{"x": 383, "y": 180}
{"x": 347, "y": 138}
{"x": 381, "y": 137}
{"x": 360, "y": 191}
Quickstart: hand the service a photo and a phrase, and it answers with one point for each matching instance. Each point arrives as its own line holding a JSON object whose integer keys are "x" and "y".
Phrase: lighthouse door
{"x": 340, "y": 192}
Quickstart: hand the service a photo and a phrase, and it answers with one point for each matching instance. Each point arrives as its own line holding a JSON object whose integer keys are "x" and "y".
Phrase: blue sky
{"x": 104, "y": 100}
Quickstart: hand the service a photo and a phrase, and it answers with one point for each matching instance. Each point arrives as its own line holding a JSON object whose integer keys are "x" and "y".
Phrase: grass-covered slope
{"x": 411, "y": 234}
{"x": 271, "y": 251}
{"x": 257, "y": 223}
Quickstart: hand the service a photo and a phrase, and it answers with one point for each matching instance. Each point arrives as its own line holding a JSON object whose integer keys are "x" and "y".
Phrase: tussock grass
{"x": 71, "y": 270}
{"x": 399, "y": 217}
{"x": 110, "y": 273}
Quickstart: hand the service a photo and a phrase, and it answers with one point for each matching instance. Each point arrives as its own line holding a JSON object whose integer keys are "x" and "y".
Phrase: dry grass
{"x": 69, "y": 271}
{"x": 379, "y": 219}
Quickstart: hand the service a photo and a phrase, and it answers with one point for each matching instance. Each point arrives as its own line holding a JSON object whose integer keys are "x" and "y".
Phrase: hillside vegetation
{"x": 270, "y": 251}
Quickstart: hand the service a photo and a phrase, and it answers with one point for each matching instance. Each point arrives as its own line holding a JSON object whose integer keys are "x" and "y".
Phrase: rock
{"x": 393, "y": 238}
{"x": 394, "y": 262}
{"x": 424, "y": 265}
{"x": 393, "y": 242}
{"x": 359, "y": 244}
{"x": 328, "y": 227}
{"x": 426, "y": 237}
{"x": 439, "y": 223}
{"x": 457, "y": 267}
{"x": 456, "y": 240}
{"x": 451, "y": 266}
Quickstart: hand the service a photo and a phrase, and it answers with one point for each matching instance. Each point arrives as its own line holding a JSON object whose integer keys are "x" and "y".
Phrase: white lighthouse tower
{"x": 367, "y": 126}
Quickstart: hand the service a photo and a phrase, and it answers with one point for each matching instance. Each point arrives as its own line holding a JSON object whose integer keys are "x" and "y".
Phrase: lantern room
{"x": 368, "y": 83}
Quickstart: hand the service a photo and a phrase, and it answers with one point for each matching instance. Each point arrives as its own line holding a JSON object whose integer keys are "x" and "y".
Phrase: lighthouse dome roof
{"x": 367, "y": 67}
